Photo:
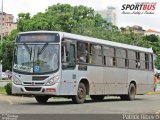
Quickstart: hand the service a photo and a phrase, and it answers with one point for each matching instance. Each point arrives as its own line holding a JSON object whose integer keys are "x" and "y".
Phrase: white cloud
{"x": 147, "y": 21}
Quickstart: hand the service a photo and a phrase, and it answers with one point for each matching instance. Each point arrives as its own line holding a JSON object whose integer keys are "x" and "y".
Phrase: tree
{"x": 23, "y": 21}
{"x": 62, "y": 17}
{"x": 151, "y": 38}
{"x": 6, "y": 50}
{"x": 6, "y": 54}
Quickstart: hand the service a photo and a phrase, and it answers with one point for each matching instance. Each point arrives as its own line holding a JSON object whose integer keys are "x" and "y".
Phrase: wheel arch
{"x": 86, "y": 83}
{"x": 134, "y": 82}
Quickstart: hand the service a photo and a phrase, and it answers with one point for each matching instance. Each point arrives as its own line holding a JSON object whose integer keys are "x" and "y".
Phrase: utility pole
{"x": 2, "y": 22}
{"x": 1, "y": 37}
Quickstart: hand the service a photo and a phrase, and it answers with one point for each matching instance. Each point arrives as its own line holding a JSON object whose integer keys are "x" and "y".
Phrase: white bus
{"x": 52, "y": 63}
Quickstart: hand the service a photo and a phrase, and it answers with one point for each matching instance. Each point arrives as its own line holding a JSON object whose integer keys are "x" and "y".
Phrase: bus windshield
{"x": 37, "y": 59}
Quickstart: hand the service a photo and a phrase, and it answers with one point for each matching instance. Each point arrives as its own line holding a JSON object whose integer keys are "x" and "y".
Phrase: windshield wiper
{"x": 28, "y": 50}
{"x": 43, "y": 48}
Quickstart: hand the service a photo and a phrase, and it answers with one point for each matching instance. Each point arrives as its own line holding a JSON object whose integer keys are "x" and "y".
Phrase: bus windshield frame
{"x": 37, "y": 58}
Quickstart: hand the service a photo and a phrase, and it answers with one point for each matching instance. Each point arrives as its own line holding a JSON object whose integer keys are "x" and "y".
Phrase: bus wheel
{"x": 97, "y": 97}
{"x": 81, "y": 94}
{"x": 131, "y": 93}
{"x": 41, "y": 99}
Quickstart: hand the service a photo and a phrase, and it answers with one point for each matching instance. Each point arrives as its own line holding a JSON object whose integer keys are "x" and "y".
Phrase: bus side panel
{"x": 141, "y": 79}
{"x": 68, "y": 85}
{"x": 71, "y": 78}
{"x": 150, "y": 81}
{"x": 95, "y": 77}
{"x": 115, "y": 80}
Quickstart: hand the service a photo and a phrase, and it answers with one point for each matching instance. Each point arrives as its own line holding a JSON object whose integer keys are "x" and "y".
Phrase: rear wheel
{"x": 81, "y": 94}
{"x": 131, "y": 93}
{"x": 41, "y": 99}
{"x": 97, "y": 97}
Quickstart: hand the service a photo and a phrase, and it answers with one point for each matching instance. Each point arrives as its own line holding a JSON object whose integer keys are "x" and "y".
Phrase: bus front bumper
{"x": 35, "y": 90}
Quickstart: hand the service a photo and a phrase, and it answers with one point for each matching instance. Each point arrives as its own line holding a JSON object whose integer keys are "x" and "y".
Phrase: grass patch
{"x": 152, "y": 93}
{"x": 2, "y": 90}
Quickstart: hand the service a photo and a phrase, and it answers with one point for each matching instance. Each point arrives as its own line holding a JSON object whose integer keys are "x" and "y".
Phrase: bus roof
{"x": 95, "y": 40}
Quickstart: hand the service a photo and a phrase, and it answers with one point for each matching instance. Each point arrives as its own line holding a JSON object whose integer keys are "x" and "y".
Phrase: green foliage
{"x": 8, "y": 88}
{"x": 2, "y": 90}
{"x": 151, "y": 38}
{"x": 6, "y": 50}
{"x": 62, "y": 17}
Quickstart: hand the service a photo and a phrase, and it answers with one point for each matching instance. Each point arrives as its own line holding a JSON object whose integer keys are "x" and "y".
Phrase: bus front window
{"x": 37, "y": 59}
{"x": 46, "y": 58}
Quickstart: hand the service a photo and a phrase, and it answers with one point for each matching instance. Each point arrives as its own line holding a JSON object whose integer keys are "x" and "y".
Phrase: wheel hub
{"x": 80, "y": 93}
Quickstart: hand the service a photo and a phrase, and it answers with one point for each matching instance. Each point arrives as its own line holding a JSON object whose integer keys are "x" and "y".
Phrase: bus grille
{"x": 31, "y": 83}
{"x": 39, "y": 78}
{"x": 33, "y": 88}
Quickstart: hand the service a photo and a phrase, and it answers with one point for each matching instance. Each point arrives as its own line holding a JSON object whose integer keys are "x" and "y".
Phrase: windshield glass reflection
{"x": 36, "y": 58}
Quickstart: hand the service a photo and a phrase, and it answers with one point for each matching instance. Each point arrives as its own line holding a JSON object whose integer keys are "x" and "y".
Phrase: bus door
{"x": 68, "y": 86}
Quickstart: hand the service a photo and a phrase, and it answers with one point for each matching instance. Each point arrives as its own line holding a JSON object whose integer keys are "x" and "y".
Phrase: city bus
{"x": 54, "y": 63}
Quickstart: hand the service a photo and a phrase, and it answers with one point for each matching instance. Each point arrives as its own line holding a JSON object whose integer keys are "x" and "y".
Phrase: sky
{"x": 147, "y": 21}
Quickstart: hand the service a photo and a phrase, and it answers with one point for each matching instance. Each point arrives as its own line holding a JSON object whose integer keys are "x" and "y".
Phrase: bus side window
{"x": 138, "y": 64}
{"x": 132, "y": 59}
{"x": 146, "y": 61}
{"x": 150, "y": 62}
{"x": 96, "y": 54}
{"x": 121, "y": 56}
{"x": 109, "y": 57}
{"x": 82, "y": 52}
{"x": 68, "y": 56}
{"x": 142, "y": 61}
{"x": 71, "y": 56}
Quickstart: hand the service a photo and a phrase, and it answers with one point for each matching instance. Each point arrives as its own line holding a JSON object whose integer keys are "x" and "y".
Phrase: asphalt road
{"x": 111, "y": 105}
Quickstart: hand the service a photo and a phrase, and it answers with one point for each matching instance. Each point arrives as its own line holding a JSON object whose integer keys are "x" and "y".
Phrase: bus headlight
{"x": 53, "y": 80}
{"x": 16, "y": 81}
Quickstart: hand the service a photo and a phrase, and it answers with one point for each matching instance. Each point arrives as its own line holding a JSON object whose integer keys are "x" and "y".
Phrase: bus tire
{"x": 81, "y": 94}
{"x": 97, "y": 97}
{"x": 41, "y": 99}
{"x": 131, "y": 93}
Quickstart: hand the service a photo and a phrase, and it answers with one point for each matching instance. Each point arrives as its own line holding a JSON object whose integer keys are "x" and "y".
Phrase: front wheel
{"x": 41, "y": 99}
{"x": 81, "y": 94}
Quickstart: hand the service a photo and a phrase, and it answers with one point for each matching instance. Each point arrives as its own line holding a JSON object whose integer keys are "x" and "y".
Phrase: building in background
{"x": 150, "y": 32}
{"x": 135, "y": 29}
{"x": 138, "y": 29}
{"x": 109, "y": 15}
{"x": 8, "y": 23}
